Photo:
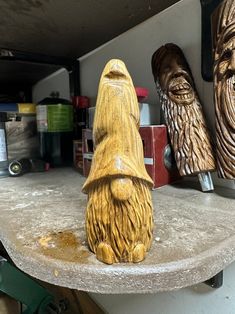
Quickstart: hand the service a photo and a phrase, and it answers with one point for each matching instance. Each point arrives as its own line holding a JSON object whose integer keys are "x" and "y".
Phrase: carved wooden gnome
{"x": 183, "y": 113}
{"x": 119, "y": 219}
{"x": 224, "y": 87}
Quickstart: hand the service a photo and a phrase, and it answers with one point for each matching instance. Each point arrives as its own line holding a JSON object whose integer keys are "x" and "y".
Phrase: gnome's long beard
{"x": 225, "y": 127}
{"x": 120, "y": 224}
{"x": 188, "y": 134}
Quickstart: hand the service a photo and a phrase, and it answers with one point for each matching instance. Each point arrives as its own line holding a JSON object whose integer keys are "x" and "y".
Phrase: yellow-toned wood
{"x": 88, "y": 305}
{"x": 119, "y": 211}
{"x": 8, "y": 305}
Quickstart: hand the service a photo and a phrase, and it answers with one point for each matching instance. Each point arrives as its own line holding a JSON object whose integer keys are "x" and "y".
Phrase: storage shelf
{"x": 42, "y": 229}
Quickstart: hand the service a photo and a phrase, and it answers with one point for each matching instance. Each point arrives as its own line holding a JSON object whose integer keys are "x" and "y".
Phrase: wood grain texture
{"x": 119, "y": 211}
{"x": 224, "y": 87}
{"x": 183, "y": 114}
{"x": 8, "y": 305}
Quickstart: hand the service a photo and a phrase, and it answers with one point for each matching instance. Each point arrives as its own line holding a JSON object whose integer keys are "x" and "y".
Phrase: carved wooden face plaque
{"x": 224, "y": 87}
{"x": 182, "y": 110}
{"x": 175, "y": 80}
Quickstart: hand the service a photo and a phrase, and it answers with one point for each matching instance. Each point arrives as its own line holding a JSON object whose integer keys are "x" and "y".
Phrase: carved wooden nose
{"x": 117, "y": 67}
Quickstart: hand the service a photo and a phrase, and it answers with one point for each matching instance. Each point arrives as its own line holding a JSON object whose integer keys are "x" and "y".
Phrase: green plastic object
{"x": 55, "y": 130}
{"x": 21, "y": 287}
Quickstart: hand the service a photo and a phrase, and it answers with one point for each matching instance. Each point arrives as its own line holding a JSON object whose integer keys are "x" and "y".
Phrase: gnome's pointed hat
{"x": 118, "y": 145}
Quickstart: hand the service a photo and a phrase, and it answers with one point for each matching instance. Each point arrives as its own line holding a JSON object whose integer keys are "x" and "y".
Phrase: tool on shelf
{"x": 24, "y": 165}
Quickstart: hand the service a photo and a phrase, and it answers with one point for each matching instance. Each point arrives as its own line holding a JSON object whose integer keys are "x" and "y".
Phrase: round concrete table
{"x": 42, "y": 229}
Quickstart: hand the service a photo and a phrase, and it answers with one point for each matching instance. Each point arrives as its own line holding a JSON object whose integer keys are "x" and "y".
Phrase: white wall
{"x": 136, "y": 47}
{"x": 56, "y": 82}
{"x": 179, "y": 24}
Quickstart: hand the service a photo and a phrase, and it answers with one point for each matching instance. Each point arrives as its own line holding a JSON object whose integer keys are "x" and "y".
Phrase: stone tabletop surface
{"x": 42, "y": 229}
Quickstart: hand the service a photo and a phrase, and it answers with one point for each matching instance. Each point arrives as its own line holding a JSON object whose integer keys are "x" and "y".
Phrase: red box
{"x": 158, "y": 156}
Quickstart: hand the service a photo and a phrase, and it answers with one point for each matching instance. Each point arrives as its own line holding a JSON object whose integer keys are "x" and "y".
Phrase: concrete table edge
{"x": 160, "y": 277}
{"x": 122, "y": 278}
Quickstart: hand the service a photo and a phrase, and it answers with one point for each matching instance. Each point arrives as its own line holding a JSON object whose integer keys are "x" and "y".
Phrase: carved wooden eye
{"x": 227, "y": 55}
{"x": 166, "y": 69}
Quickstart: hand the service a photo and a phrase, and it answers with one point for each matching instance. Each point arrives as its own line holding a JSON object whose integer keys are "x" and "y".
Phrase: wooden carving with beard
{"x": 119, "y": 219}
{"x": 182, "y": 111}
{"x": 224, "y": 87}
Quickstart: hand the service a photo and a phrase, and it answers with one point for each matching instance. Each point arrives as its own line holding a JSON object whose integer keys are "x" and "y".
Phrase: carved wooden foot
{"x": 105, "y": 253}
{"x": 139, "y": 253}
